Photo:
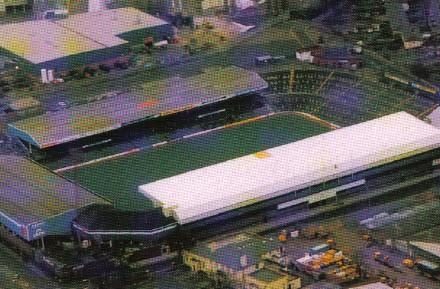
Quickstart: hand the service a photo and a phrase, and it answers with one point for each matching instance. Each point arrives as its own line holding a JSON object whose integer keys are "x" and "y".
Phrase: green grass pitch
{"x": 117, "y": 179}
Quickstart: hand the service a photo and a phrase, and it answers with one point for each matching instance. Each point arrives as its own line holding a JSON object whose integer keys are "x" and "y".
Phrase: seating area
{"x": 345, "y": 98}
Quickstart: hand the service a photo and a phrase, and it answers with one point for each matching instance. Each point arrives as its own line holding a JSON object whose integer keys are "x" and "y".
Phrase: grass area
{"x": 119, "y": 178}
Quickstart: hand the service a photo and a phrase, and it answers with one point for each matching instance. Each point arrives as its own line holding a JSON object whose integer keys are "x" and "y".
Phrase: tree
{"x": 420, "y": 71}
{"x": 386, "y": 30}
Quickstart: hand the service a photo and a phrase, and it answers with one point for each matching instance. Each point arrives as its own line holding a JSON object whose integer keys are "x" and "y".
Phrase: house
{"x": 339, "y": 57}
{"x": 243, "y": 258}
{"x": 306, "y": 54}
{"x": 412, "y": 42}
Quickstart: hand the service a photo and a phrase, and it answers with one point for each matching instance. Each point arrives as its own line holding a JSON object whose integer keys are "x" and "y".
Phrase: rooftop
{"x": 431, "y": 248}
{"x": 39, "y": 41}
{"x": 30, "y": 193}
{"x": 230, "y": 251}
{"x": 156, "y": 98}
{"x": 116, "y": 22}
{"x": 105, "y": 218}
{"x": 243, "y": 181}
{"x": 377, "y": 285}
{"x": 42, "y": 40}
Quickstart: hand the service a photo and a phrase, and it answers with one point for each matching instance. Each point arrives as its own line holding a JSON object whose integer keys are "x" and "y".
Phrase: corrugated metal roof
{"x": 230, "y": 251}
{"x": 377, "y": 285}
{"x": 29, "y": 193}
{"x": 40, "y": 41}
{"x": 431, "y": 248}
{"x": 247, "y": 180}
{"x": 156, "y": 99}
{"x": 104, "y": 26}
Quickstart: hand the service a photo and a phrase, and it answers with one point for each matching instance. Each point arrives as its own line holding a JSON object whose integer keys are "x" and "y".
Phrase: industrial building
{"x": 430, "y": 251}
{"x": 12, "y": 6}
{"x": 243, "y": 259}
{"x": 79, "y": 39}
{"x": 377, "y": 285}
{"x": 350, "y": 161}
{"x": 157, "y": 99}
{"x": 35, "y": 203}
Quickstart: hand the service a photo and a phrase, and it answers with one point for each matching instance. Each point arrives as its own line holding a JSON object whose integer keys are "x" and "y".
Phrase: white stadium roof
{"x": 219, "y": 188}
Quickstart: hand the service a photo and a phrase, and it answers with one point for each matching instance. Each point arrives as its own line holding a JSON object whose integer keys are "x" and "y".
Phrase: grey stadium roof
{"x": 30, "y": 193}
{"x": 155, "y": 99}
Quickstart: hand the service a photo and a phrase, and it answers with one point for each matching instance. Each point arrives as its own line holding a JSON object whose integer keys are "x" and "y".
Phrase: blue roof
{"x": 31, "y": 194}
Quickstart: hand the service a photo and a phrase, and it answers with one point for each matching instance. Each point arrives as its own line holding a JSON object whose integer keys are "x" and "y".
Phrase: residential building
{"x": 11, "y": 6}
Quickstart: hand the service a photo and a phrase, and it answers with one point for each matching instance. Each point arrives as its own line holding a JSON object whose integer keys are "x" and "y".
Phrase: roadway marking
{"x": 97, "y": 160}
{"x": 320, "y": 120}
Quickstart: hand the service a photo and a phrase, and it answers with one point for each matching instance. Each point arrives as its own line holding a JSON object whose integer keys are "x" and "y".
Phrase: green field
{"x": 118, "y": 179}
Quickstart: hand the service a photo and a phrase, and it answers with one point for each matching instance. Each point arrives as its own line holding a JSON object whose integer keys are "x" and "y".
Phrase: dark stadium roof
{"x": 30, "y": 193}
{"x": 107, "y": 218}
{"x": 155, "y": 99}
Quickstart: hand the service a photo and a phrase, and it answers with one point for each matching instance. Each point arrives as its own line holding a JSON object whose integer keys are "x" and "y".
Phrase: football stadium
{"x": 283, "y": 163}
{"x": 232, "y": 176}
{"x": 153, "y": 100}
{"x": 79, "y": 39}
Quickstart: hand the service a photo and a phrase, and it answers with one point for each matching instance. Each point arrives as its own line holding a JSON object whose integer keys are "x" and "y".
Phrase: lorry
{"x": 383, "y": 259}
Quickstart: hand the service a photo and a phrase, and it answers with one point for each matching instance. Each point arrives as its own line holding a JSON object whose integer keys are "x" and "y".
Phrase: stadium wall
{"x": 13, "y": 131}
{"x": 59, "y": 225}
{"x": 375, "y": 178}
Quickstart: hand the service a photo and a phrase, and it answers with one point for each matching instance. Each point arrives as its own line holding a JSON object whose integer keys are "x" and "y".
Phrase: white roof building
{"x": 40, "y": 41}
{"x": 243, "y": 181}
{"x": 431, "y": 248}
{"x": 377, "y": 285}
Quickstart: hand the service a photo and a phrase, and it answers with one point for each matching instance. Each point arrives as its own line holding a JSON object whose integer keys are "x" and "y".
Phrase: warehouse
{"x": 307, "y": 172}
{"x": 35, "y": 202}
{"x": 79, "y": 39}
{"x": 430, "y": 251}
{"x": 156, "y": 99}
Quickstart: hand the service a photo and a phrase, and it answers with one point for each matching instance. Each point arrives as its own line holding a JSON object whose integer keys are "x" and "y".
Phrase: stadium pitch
{"x": 117, "y": 179}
